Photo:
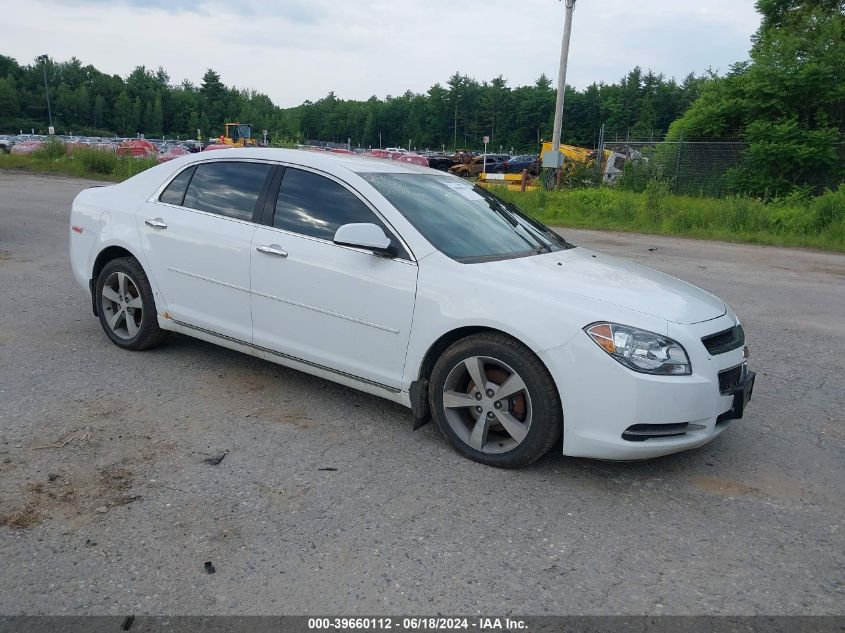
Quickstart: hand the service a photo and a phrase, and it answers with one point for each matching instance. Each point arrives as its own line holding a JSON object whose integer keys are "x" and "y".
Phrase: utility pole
{"x": 554, "y": 159}
{"x": 43, "y": 59}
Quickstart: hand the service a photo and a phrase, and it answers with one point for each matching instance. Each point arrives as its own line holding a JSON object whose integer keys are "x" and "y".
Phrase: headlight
{"x": 642, "y": 351}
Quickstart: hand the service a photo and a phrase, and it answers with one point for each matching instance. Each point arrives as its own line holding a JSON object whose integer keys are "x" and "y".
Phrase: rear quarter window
{"x": 175, "y": 192}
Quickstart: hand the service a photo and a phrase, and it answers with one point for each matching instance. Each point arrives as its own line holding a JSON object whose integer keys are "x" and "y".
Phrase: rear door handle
{"x": 272, "y": 249}
{"x": 156, "y": 223}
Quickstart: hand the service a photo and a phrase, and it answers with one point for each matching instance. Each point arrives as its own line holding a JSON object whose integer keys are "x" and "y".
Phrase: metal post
{"x": 678, "y": 164}
{"x": 455, "y": 139}
{"x": 600, "y": 153}
{"x": 555, "y": 159}
{"x": 43, "y": 59}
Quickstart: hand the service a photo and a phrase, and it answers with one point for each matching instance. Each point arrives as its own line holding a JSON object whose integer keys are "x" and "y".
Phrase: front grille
{"x": 725, "y": 341}
{"x": 730, "y": 378}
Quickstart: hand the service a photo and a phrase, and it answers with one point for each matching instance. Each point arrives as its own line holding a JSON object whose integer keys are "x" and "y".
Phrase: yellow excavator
{"x": 238, "y": 135}
{"x": 612, "y": 166}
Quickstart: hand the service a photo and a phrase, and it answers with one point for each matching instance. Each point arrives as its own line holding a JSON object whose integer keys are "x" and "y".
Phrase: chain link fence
{"x": 698, "y": 168}
{"x": 691, "y": 168}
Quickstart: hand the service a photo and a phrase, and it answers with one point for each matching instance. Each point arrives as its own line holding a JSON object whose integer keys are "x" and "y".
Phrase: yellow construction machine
{"x": 612, "y": 163}
{"x": 238, "y": 135}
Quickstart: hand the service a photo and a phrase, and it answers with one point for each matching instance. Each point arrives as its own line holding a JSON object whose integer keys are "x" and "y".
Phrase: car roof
{"x": 325, "y": 161}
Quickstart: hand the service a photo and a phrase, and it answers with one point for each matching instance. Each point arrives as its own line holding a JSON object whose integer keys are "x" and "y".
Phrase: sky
{"x": 298, "y": 50}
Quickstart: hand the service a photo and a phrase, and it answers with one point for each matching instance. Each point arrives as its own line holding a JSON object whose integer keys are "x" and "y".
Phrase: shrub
{"x": 636, "y": 175}
{"x": 655, "y": 193}
{"x": 128, "y": 167}
{"x": 828, "y": 209}
{"x": 51, "y": 149}
{"x": 96, "y": 160}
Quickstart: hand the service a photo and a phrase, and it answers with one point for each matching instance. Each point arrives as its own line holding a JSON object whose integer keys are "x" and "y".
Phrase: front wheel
{"x": 125, "y": 305}
{"x": 495, "y": 401}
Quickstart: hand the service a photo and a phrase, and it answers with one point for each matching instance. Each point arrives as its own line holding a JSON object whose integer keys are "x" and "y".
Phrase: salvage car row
{"x": 136, "y": 147}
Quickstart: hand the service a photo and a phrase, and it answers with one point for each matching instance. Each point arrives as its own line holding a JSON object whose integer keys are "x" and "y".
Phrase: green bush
{"x": 655, "y": 194}
{"x": 129, "y": 166}
{"x": 51, "y": 149}
{"x": 636, "y": 175}
{"x": 828, "y": 209}
{"x": 96, "y": 161}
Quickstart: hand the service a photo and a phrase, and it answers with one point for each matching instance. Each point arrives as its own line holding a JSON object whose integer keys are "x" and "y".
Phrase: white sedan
{"x": 417, "y": 286}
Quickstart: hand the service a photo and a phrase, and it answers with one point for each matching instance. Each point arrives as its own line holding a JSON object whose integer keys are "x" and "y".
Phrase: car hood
{"x": 582, "y": 272}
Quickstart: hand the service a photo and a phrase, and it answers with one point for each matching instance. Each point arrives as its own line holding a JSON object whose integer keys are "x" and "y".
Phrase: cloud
{"x": 294, "y": 11}
{"x": 295, "y": 50}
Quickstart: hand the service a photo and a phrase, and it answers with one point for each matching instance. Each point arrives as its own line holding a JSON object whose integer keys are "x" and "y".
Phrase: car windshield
{"x": 465, "y": 222}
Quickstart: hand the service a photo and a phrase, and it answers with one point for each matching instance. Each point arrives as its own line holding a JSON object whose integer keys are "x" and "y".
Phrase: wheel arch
{"x": 107, "y": 254}
{"x": 419, "y": 387}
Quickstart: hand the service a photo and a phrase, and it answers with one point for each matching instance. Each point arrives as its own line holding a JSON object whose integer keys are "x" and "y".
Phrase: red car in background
{"x": 137, "y": 148}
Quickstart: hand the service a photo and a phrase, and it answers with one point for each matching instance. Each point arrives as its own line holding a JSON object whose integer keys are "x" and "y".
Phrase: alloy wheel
{"x": 121, "y": 304}
{"x": 487, "y": 404}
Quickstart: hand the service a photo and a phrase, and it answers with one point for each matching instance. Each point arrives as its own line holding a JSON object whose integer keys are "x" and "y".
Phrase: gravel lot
{"x": 326, "y": 501}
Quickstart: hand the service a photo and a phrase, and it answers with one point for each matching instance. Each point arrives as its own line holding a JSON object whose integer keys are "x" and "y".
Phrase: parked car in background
{"x": 172, "y": 152}
{"x": 26, "y": 147}
{"x": 414, "y": 159}
{"x": 191, "y": 145}
{"x": 215, "y": 146}
{"x": 137, "y": 148}
{"x": 516, "y": 164}
{"x": 413, "y": 285}
{"x": 476, "y": 165}
{"x": 440, "y": 162}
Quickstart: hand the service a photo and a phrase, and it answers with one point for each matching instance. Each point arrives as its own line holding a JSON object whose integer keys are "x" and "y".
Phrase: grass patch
{"x": 792, "y": 221}
{"x": 88, "y": 163}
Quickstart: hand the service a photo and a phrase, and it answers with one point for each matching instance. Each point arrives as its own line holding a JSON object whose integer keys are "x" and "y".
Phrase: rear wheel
{"x": 125, "y": 305}
{"x": 495, "y": 401}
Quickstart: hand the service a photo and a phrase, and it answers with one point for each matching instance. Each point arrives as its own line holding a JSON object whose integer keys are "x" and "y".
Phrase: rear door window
{"x": 230, "y": 189}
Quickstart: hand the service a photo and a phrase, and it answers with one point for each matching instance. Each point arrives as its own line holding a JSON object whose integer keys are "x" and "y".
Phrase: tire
{"x": 516, "y": 428}
{"x": 127, "y": 291}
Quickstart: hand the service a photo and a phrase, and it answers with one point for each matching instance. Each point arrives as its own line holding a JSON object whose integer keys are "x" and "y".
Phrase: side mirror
{"x": 365, "y": 235}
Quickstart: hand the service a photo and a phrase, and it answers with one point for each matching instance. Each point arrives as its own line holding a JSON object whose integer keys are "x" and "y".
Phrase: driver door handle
{"x": 272, "y": 249}
{"x": 156, "y": 223}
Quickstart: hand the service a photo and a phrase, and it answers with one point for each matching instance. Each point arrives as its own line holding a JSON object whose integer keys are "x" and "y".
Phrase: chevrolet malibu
{"x": 416, "y": 286}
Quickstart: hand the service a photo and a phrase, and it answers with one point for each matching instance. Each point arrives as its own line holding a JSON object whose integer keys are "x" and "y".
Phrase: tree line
{"x": 459, "y": 113}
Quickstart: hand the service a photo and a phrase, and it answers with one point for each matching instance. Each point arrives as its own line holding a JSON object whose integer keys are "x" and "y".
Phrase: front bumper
{"x": 612, "y": 412}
